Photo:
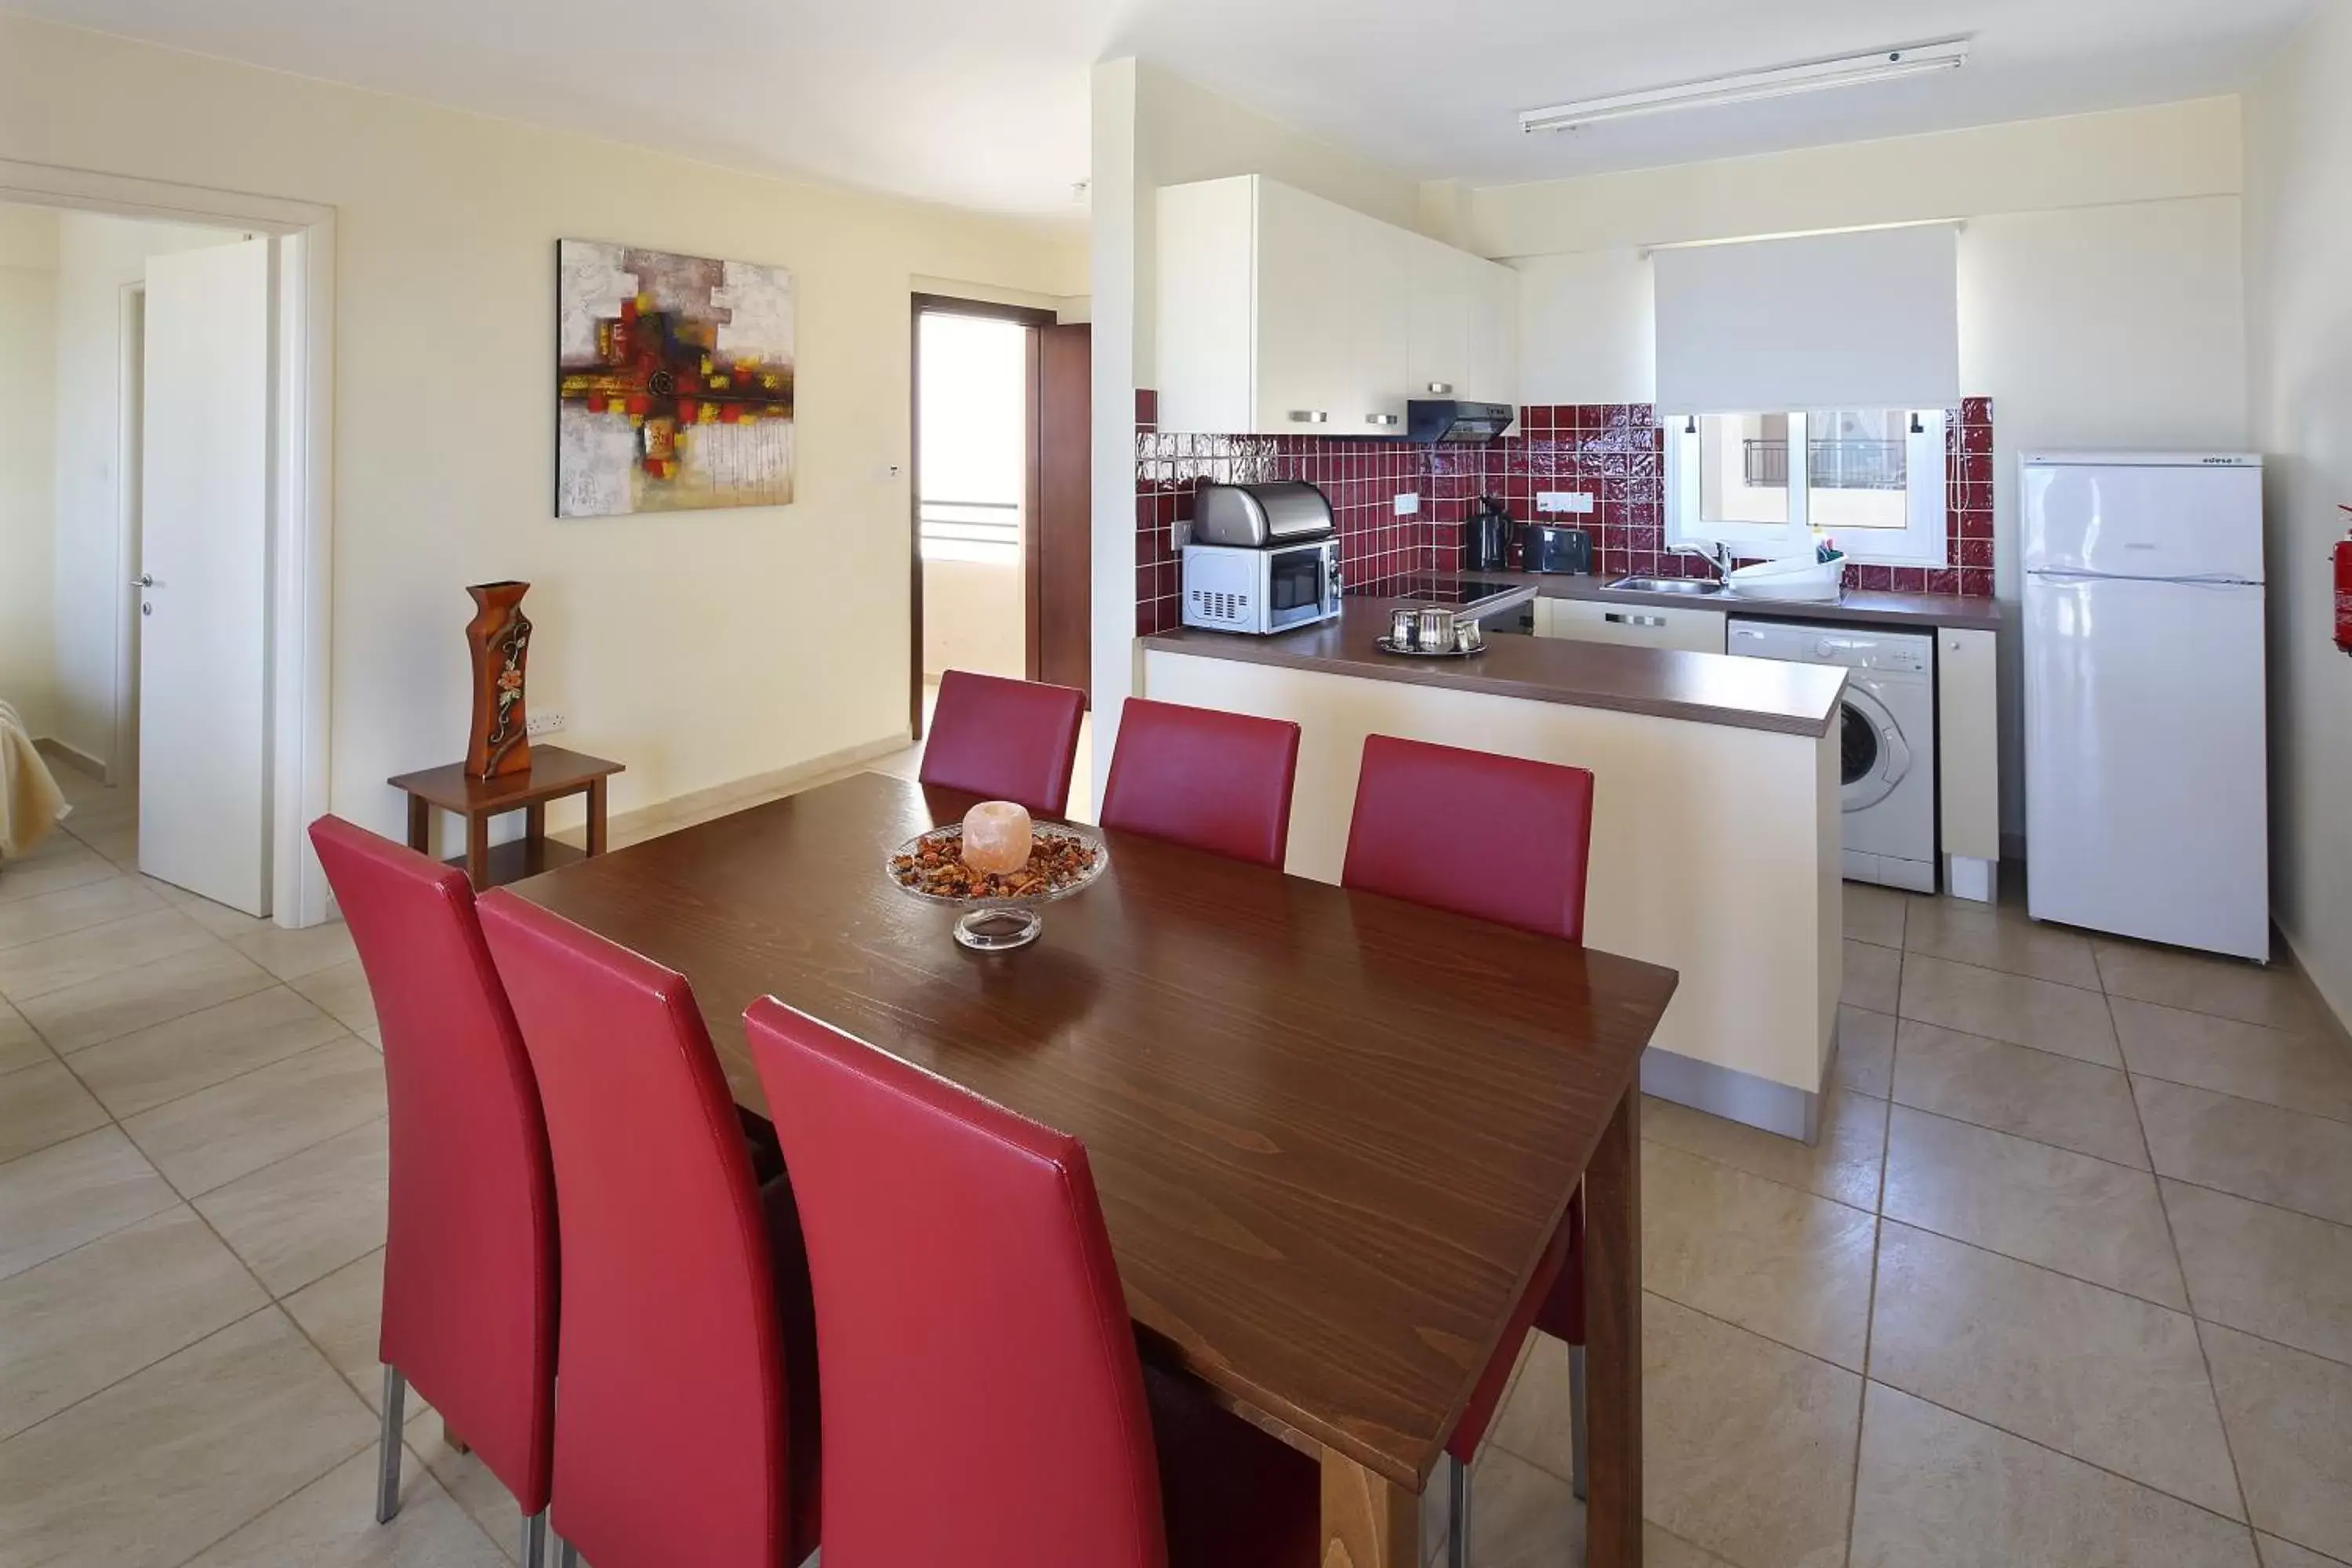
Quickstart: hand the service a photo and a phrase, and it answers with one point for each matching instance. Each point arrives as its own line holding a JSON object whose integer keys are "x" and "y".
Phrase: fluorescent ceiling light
{"x": 1751, "y": 87}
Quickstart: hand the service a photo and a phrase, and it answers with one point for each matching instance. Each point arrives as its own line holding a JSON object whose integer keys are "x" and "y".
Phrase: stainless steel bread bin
{"x": 1255, "y": 516}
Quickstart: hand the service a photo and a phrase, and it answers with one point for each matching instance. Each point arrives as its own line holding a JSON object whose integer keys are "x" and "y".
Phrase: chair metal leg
{"x": 567, "y": 1555}
{"x": 534, "y": 1540}
{"x": 1577, "y": 1436}
{"x": 387, "y": 1456}
{"x": 1457, "y": 1518}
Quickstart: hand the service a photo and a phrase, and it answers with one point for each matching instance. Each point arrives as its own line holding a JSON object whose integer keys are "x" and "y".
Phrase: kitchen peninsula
{"x": 1716, "y": 818}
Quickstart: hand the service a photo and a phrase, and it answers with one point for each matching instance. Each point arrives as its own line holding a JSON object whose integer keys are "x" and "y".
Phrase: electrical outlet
{"x": 1409, "y": 504}
{"x": 543, "y": 724}
{"x": 1564, "y": 500}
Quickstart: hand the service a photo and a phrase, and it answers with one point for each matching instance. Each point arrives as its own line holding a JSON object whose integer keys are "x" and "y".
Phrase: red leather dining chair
{"x": 686, "y": 1426}
{"x": 1517, "y": 837}
{"x": 984, "y": 1402}
{"x": 469, "y": 1261}
{"x": 1199, "y": 776}
{"x": 1009, "y": 740}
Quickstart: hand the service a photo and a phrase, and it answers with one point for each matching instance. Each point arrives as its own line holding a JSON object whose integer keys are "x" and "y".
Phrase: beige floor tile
{"x": 1999, "y": 939}
{"x": 2277, "y": 1553}
{"x": 2012, "y": 1007}
{"x": 330, "y": 1524}
{"x": 2309, "y": 1073}
{"x": 2039, "y": 1095}
{"x": 1873, "y": 976}
{"x": 1661, "y": 1549}
{"x": 214, "y": 1136}
{"x": 2286, "y": 1277}
{"x": 55, "y": 962}
{"x": 1774, "y": 1260}
{"x": 2107, "y": 1378}
{"x": 191, "y": 1448}
{"x": 2290, "y": 1419}
{"x": 470, "y": 1482}
{"x": 1865, "y": 1051}
{"x": 118, "y": 843}
{"x": 342, "y": 1313}
{"x": 1747, "y": 1446}
{"x": 1874, "y": 915}
{"x": 70, "y": 866}
{"x": 2242, "y": 1146}
{"x": 1938, "y": 1491}
{"x": 306, "y": 1216}
{"x": 2232, "y": 988}
{"x": 288, "y": 954}
{"x": 1533, "y": 1421}
{"x": 1843, "y": 1165}
{"x": 1521, "y": 1517}
{"x": 41, "y": 1105}
{"x": 19, "y": 1045}
{"x": 2065, "y": 1211}
{"x": 155, "y": 1066}
{"x": 92, "y": 903}
{"x": 73, "y": 1193}
{"x": 113, "y": 1005}
{"x": 218, "y": 919}
{"x": 342, "y": 990}
{"x": 98, "y": 1313}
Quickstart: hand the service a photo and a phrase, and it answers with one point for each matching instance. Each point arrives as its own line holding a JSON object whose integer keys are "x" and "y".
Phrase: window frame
{"x": 1924, "y": 539}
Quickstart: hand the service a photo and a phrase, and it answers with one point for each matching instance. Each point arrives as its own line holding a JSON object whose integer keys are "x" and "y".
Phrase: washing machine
{"x": 1886, "y": 740}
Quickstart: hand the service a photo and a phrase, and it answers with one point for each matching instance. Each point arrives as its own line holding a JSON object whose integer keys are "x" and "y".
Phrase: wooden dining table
{"x": 1333, "y": 1132}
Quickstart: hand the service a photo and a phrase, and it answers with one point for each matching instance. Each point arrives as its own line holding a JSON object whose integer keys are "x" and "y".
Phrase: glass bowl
{"x": 993, "y": 924}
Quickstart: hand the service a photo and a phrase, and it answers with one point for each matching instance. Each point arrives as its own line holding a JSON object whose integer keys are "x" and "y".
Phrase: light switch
{"x": 1409, "y": 504}
{"x": 1564, "y": 500}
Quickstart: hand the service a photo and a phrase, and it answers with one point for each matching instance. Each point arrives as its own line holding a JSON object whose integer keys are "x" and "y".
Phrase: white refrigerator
{"x": 2146, "y": 795}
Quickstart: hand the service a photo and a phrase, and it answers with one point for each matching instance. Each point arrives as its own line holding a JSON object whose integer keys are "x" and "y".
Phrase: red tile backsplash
{"x": 1615, "y": 452}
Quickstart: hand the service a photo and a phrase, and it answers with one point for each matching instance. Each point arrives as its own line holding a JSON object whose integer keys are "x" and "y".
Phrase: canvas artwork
{"x": 675, "y": 382}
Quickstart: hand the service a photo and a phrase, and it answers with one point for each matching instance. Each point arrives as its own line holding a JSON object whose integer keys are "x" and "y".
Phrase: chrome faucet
{"x": 1716, "y": 554}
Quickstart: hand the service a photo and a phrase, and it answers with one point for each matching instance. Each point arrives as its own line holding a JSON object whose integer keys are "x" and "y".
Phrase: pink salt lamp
{"x": 996, "y": 837}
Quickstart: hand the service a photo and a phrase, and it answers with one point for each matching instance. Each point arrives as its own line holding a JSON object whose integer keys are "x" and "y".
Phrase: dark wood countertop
{"x": 1859, "y": 606}
{"x": 1702, "y": 688}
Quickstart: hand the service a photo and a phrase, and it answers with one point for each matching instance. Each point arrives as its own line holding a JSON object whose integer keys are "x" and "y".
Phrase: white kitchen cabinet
{"x": 1636, "y": 625}
{"x": 1280, "y": 313}
{"x": 1968, "y": 757}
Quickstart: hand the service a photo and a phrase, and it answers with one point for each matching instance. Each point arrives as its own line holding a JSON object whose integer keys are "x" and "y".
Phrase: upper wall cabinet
{"x": 1282, "y": 314}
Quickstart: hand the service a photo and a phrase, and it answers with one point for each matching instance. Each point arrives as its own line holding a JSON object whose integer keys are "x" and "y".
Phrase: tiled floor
{"x": 2068, "y": 1280}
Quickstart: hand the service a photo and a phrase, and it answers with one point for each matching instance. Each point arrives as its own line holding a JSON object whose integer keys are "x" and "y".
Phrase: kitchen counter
{"x": 1862, "y": 607}
{"x": 1701, "y": 688}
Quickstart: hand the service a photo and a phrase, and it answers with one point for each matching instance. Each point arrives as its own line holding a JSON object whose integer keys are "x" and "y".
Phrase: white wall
{"x": 975, "y": 617}
{"x": 2299, "y": 258}
{"x": 98, "y": 258}
{"x": 28, "y": 301}
{"x": 2102, "y": 294}
{"x": 664, "y": 637}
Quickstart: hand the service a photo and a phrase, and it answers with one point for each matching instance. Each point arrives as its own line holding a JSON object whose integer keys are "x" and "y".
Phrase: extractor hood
{"x": 1429, "y": 419}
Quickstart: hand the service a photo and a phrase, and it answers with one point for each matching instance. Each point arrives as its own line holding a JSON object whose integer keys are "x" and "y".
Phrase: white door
{"x": 2146, "y": 520}
{"x": 204, "y": 818}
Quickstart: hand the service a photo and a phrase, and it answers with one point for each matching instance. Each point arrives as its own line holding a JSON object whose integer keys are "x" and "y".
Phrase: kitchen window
{"x": 1767, "y": 486}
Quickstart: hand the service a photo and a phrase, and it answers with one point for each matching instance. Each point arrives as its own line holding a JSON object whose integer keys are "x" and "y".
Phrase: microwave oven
{"x": 1274, "y": 588}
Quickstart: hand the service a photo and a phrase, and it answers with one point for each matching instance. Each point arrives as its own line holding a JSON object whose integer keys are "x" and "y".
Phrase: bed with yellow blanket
{"x": 30, "y": 802}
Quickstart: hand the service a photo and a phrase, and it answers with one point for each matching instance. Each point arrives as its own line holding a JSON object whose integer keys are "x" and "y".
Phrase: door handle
{"x": 1615, "y": 618}
{"x": 1441, "y": 388}
{"x": 142, "y": 581}
{"x": 1380, "y": 418}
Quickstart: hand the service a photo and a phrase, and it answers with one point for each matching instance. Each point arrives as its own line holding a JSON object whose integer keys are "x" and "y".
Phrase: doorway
{"x": 1002, "y": 527}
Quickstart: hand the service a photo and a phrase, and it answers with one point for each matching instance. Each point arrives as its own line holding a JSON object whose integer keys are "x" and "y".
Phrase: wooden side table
{"x": 554, "y": 773}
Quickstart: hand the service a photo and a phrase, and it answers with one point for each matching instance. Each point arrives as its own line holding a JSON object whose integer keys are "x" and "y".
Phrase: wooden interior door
{"x": 1060, "y": 557}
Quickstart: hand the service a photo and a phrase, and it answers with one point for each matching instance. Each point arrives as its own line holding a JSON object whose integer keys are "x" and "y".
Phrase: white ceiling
{"x": 985, "y": 105}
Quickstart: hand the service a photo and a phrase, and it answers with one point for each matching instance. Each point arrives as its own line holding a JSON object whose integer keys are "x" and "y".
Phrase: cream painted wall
{"x": 2101, "y": 282}
{"x": 29, "y": 307}
{"x": 98, "y": 258}
{"x": 2299, "y": 257}
{"x": 665, "y": 638}
{"x": 974, "y": 617}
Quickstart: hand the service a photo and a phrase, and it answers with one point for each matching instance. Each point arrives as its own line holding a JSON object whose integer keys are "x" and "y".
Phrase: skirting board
{"x": 73, "y": 757}
{"x": 1734, "y": 1095}
{"x": 701, "y": 805}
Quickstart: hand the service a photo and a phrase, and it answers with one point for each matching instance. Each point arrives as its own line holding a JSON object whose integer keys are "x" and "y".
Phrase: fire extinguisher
{"x": 2344, "y": 588}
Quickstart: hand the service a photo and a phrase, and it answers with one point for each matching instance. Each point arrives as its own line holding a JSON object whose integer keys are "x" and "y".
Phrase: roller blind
{"x": 1868, "y": 320}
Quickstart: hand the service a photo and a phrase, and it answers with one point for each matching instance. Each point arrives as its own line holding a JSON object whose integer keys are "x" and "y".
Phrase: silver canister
{"x": 1436, "y": 631}
{"x": 1404, "y": 628}
{"x": 1468, "y": 636}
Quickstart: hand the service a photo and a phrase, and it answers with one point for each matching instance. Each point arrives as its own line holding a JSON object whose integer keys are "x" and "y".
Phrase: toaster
{"x": 1546, "y": 547}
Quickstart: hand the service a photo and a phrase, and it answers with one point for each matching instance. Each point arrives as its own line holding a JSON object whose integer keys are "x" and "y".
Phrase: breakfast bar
{"x": 1716, "y": 815}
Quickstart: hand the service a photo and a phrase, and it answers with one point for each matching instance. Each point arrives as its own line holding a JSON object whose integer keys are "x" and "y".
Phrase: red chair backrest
{"x": 1496, "y": 838}
{"x": 469, "y": 1262}
{"x": 983, "y": 1402}
{"x": 1216, "y": 780}
{"x": 1008, "y": 740}
{"x": 670, "y": 1433}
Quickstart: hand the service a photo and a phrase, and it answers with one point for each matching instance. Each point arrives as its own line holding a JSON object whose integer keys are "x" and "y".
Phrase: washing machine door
{"x": 1872, "y": 758}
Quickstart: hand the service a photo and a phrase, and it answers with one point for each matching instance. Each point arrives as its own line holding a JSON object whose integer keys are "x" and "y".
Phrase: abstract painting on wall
{"x": 674, "y": 382}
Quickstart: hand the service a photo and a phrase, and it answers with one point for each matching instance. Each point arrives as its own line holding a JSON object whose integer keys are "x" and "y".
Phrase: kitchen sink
{"x": 1695, "y": 586}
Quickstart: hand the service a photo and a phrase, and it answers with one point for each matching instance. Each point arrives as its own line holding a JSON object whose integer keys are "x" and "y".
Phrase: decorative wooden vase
{"x": 499, "y": 637}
